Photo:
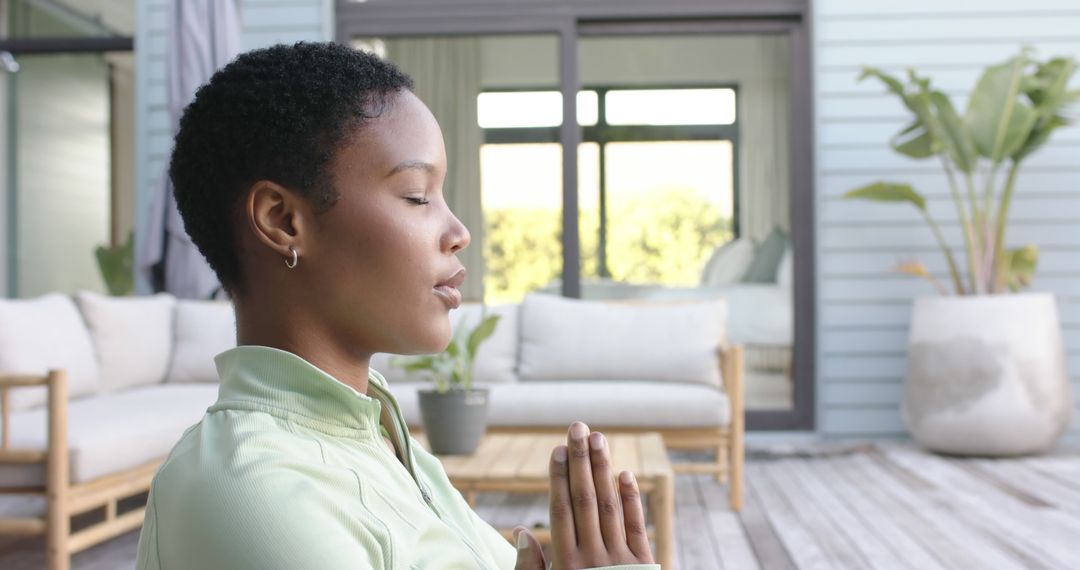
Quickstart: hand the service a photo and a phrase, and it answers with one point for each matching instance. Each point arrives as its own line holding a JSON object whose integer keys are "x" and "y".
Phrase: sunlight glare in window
{"x": 671, "y": 107}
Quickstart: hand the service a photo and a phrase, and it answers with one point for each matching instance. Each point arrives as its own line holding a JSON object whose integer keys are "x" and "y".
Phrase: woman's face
{"x": 382, "y": 261}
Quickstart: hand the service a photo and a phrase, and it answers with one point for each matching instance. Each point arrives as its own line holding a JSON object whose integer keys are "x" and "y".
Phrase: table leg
{"x": 662, "y": 508}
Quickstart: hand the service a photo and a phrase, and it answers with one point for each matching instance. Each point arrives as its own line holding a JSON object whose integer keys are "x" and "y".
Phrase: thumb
{"x": 529, "y": 554}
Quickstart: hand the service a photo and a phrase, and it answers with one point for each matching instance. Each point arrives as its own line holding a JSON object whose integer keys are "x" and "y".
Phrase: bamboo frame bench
{"x": 65, "y": 500}
{"x": 726, "y": 441}
{"x": 62, "y": 498}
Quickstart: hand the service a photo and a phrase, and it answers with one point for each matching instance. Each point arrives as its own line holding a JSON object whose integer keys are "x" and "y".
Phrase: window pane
{"x": 666, "y": 213}
{"x": 521, "y": 109}
{"x": 523, "y": 216}
{"x": 671, "y": 107}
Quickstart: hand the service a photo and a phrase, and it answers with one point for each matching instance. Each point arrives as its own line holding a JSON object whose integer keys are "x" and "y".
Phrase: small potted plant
{"x": 454, "y": 413}
{"x": 986, "y": 366}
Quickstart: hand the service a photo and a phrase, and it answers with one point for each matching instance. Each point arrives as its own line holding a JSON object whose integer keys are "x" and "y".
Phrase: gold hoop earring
{"x": 295, "y": 258}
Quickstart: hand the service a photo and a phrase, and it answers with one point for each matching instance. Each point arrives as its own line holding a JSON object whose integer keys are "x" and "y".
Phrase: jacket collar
{"x": 261, "y": 378}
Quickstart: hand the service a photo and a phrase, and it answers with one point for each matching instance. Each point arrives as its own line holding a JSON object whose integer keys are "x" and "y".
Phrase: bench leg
{"x": 662, "y": 511}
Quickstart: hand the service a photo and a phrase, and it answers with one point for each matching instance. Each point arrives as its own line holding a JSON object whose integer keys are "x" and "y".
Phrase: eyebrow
{"x": 412, "y": 165}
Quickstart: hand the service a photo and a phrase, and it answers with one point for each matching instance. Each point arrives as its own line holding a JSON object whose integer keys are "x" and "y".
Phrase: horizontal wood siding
{"x": 864, "y": 308}
{"x": 265, "y": 23}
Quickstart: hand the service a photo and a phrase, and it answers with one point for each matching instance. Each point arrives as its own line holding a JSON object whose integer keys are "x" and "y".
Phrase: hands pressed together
{"x": 595, "y": 520}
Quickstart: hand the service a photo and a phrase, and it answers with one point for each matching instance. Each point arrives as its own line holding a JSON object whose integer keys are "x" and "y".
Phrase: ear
{"x": 277, "y": 216}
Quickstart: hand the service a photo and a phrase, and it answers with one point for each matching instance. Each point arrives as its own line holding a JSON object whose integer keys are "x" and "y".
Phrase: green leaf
{"x": 1047, "y": 91}
{"x": 914, "y": 142}
{"x": 481, "y": 333}
{"x": 954, "y": 135}
{"x": 999, "y": 121}
{"x": 1018, "y": 267}
{"x": 889, "y": 192}
{"x": 1039, "y": 135}
{"x": 413, "y": 363}
{"x": 894, "y": 85}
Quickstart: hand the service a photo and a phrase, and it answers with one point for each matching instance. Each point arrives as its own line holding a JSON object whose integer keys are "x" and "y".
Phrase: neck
{"x": 305, "y": 336}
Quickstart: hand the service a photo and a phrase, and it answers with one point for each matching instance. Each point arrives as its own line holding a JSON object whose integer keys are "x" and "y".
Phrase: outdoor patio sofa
{"x": 96, "y": 390}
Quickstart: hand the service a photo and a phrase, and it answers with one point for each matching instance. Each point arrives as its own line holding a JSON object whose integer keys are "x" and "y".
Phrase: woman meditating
{"x": 310, "y": 177}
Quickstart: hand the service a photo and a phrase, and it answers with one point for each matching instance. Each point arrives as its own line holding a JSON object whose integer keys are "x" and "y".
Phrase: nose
{"x": 456, "y": 237}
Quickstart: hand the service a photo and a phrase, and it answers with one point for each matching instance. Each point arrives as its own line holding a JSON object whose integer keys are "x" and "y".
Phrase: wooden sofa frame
{"x": 726, "y": 442}
{"x": 65, "y": 500}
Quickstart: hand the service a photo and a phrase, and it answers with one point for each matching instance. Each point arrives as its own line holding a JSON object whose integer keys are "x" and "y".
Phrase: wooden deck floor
{"x": 841, "y": 506}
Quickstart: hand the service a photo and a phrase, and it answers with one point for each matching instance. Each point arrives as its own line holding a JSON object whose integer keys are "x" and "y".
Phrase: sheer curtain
{"x": 447, "y": 76}
{"x": 764, "y": 189}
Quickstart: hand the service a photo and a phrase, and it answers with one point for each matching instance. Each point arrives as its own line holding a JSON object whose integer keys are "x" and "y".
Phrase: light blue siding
{"x": 864, "y": 308}
{"x": 265, "y": 22}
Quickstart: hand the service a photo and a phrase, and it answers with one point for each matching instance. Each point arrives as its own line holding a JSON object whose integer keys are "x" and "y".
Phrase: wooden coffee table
{"x": 518, "y": 463}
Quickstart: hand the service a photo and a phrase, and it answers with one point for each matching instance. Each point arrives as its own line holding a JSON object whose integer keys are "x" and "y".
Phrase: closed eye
{"x": 417, "y": 201}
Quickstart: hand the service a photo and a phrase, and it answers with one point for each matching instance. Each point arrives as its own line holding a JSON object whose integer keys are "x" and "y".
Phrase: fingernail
{"x": 596, "y": 440}
{"x": 627, "y": 477}
{"x": 522, "y": 540}
{"x": 578, "y": 430}
{"x": 560, "y": 454}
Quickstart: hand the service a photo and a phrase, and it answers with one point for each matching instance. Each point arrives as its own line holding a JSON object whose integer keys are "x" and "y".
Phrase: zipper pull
{"x": 427, "y": 497}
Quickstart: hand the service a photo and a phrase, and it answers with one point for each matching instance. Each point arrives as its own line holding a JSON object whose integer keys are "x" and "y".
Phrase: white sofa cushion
{"x": 109, "y": 433}
{"x": 496, "y": 361}
{"x": 204, "y": 329}
{"x": 728, "y": 263}
{"x": 132, "y": 337}
{"x": 42, "y": 334}
{"x": 597, "y": 403}
{"x": 567, "y": 339}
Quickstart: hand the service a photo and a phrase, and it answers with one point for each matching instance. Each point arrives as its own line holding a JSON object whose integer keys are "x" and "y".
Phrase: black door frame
{"x": 573, "y": 19}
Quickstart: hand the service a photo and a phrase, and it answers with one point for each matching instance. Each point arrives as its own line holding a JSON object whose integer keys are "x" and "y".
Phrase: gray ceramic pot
{"x": 454, "y": 422}
{"x": 986, "y": 375}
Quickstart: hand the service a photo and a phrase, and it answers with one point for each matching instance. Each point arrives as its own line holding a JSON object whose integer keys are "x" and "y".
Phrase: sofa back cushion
{"x": 567, "y": 339}
{"x": 496, "y": 361}
{"x": 204, "y": 329}
{"x": 45, "y": 333}
{"x": 132, "y": 337}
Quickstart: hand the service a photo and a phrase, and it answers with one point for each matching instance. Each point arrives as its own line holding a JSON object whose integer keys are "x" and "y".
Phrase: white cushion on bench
{"x": 109, "y": 433}
{"x": 45, "y": 333}
{"x": 204, "y": 329}
{"x": 568, "y": 339}
{"x": 596, "y": 402}
{"x": 132, "y": 337}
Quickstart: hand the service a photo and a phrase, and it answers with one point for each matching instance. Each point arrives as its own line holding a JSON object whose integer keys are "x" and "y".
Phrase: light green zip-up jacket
{"x": 288, "y": 470}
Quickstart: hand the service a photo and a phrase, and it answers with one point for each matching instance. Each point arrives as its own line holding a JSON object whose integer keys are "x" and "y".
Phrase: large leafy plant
{"x": 452, "y": 369}
{"x": 1011, "y": 113}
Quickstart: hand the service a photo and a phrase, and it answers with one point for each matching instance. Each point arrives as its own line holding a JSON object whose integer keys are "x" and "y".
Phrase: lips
{"x": 448, "y": 289}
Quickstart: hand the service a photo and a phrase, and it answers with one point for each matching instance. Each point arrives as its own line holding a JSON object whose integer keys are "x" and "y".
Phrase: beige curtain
{"x": 447, "y": 76}
{"x": 765, "y": 182}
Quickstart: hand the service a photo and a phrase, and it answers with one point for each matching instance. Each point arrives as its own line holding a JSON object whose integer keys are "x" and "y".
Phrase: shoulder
{"x": 260, "y": 498}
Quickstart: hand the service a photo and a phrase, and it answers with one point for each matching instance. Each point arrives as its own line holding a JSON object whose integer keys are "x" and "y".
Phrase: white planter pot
{"x": 986, "y": 375}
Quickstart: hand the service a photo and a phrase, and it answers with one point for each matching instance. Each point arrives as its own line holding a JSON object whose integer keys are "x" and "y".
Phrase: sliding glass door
{"x": 601, "y": 154}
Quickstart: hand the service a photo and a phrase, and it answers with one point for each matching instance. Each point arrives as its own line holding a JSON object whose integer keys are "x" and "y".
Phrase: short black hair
{"x": 280, "y": 114}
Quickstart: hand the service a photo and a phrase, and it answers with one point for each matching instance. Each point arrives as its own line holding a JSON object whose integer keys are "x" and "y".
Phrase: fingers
{"x": 634, "y": 516}
{"x": 582, "y": 489}
{"x": 563, "y": 539}
{"x": 529, "y": 554}
{"x": 607, "y": 498}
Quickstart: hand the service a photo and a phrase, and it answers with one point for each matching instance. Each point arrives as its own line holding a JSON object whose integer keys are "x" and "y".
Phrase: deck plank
{"x": 1016, "y": 527}
{"x": 931, "y": 522}
{"x": 800, "y": 542}
{"x": 890, "y": 499}
{"x": 878, "y": 519}
{"x": 838, "y": 543}
{"x": 732, "y": 540}
{"x": 964, "y": 515}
